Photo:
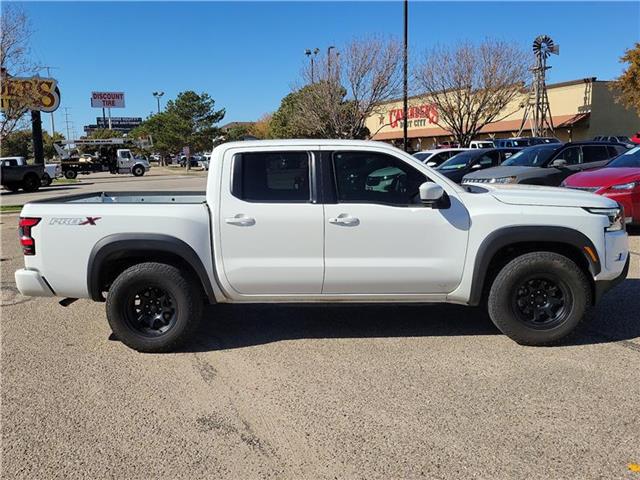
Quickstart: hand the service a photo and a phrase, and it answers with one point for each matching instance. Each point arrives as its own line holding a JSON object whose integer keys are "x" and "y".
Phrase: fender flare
{"x": 526, "y": 234}
{"x": 123, "y": 245}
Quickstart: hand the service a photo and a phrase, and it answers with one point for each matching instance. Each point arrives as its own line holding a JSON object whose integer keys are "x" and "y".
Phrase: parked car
{"x": 548, "y": 164}
{"x": 523, "y": 141}
{"x": 626, "y": 141}
{"x": 636, "y": 138}
{"x": 193, "y": 161}
{"x": 433, "y": 158}
{"x": 16, "y": 175}
{"x": 482, "y": 144}
{"x": 536, "y": 257}
{"x": 51, "y": 170}
{"x": 619, "y": 181}
{"x": 472, "y": 160}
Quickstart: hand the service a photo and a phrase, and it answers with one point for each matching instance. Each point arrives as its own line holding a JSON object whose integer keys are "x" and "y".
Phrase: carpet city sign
{"x": 419, "y": 116}
{"x": 32, "y": 93}
{"x": 107, "y": 99}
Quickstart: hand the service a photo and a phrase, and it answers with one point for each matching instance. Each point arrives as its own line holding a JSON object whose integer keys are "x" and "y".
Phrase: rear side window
{"x": 595, "y": 153}
{"x": 571, "y": 155}
{"x": 271, "y": 177}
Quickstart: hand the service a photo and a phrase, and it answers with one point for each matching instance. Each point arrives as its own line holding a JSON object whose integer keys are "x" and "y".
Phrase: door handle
{"x": 344, "y": 219}
{"x": 241, "y": 220}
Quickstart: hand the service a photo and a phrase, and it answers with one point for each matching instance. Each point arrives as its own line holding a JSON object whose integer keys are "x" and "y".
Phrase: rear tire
{"x": 154, "y": 307}
{"x": 31, "y": 183}
{"x": 70, "y": 174}
{"x": 539, "y": 298}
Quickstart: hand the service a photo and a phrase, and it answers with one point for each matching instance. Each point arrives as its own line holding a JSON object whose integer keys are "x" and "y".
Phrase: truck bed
{"x": 130, "y": 197}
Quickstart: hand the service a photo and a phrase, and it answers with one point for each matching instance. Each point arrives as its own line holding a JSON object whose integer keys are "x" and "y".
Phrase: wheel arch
{"x": 503, "y": 245}
{"x": 115, "y": 253}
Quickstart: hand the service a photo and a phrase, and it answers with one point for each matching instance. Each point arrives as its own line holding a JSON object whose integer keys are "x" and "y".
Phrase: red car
{"x": 636, "y": 138}
{"x": 618, "y": 180}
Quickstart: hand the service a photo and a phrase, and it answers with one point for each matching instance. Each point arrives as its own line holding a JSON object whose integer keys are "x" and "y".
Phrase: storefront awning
{"x": 506, "y": 126}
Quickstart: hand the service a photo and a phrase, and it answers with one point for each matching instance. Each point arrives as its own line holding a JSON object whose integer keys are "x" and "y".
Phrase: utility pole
{"x": 66, "y": 119}
{"x": 405, "y": 83}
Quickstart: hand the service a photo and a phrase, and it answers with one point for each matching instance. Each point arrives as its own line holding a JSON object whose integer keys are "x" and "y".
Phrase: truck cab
{"x": 126, "y": 162}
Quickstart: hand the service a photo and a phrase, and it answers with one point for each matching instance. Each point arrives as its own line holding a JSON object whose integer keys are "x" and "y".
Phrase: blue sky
{"x": 248, "y": 55}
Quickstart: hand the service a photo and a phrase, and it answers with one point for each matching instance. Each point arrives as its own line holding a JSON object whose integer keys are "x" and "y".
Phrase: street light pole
{"x": 308, "y": 53}
{"x": 158, "y": 95}
{"x": 405, "y": 86}
{"x": 329, "y": 60}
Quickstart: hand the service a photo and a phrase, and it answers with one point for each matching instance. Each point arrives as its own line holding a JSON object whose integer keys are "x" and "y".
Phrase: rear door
{"x": 594, "y": 156}
{"x": 379, "y": 238}
{"x": 271, "y": 225}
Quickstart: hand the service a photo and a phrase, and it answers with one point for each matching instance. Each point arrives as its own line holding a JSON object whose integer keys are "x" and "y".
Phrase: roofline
{"x": 550, "y": 85}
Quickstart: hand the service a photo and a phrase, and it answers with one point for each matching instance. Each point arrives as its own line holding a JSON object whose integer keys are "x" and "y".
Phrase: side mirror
{"x": 431, "y": 164}
{"x": 476, "y": 166}
{"x": 431, "y": 193}
{"x": 559, "y": 163}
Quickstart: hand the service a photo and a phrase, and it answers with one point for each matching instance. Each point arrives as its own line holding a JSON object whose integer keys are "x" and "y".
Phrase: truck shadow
{"x": 230, "y": 326}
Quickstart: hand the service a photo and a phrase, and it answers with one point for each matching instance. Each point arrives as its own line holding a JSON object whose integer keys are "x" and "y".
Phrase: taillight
{"x": 24, "y": 231}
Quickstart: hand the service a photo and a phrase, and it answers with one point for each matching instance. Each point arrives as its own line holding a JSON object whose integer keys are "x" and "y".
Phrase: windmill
{"x": 537, "y": 110}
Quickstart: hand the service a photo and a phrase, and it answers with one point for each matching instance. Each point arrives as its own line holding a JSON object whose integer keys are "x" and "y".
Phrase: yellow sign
{"x": 34, "y": 93}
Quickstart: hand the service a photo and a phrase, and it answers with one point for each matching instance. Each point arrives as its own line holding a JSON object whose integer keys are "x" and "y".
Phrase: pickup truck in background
{"x": 15, "y": 175}
{"x": 325, "y": 221}
{"x": 51, "y": 170}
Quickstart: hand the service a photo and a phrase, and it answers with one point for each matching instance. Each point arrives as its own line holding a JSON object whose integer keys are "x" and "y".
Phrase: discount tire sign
{"x": 107, "y": 99}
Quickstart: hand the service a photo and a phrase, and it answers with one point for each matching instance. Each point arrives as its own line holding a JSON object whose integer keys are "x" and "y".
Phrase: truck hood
{"x": 547, "y": 196}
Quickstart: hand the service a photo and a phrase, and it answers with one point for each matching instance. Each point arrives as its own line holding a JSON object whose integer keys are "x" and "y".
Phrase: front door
{"x": 380, "y": 239}
{"x": 271, "y": 231}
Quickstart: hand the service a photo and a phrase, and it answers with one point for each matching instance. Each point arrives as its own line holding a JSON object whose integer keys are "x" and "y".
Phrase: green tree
{"x": 627, "y": 86}
{"x": 48, "y": 141}
{"x": 102, "y": 133}
{"x": 16, "y": 144}
{"x": 188, "y": 121}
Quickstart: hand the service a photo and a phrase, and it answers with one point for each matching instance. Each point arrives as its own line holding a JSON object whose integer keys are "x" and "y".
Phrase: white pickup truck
{"x": 325, "y": 221}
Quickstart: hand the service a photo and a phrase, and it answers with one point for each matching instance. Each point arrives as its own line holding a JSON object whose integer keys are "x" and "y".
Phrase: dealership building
{"x": 580, "y": 109}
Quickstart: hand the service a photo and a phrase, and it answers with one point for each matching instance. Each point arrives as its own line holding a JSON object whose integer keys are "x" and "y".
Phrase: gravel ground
{"x": 317, "y": 392}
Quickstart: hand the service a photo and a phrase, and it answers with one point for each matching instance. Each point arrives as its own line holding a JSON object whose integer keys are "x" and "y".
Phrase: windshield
{"x": 630, "y": 159}
{"x": 458, "y": 161}
{"x": 532, "y": 156}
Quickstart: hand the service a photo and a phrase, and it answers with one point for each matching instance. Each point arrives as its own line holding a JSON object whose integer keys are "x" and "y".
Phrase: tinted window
{"x": 422, "y": 156}
{"x": 458, "y": 161}
{"x": 9, "y": 163}
{"x": 272, "y": 177}
{"x": 629, "y": 159}
{"x": 571, "y": 155}
{"x": 365, "y": 177}
{"x": 594, "y": 153}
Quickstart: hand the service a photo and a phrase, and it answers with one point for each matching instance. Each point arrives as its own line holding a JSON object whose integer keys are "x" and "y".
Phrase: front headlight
{"x": 503, "y": 180}
{"x": 625, "y": 186}
{"x": 615, "y": 215}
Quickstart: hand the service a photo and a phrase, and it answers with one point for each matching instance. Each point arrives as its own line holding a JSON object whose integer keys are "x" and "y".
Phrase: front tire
{"x": 154, "y": 307}
{"x": 138, "y": 171}
{"x": 31, "y": 183}
{"x": 46, "y": 180}
{"x": 539, "y": 298}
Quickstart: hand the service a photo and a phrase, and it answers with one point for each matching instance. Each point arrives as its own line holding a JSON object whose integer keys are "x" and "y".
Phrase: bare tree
{"x": 348, "y": 86}
{"x": 15, "y": 34}
{"x": 472, "y": 85}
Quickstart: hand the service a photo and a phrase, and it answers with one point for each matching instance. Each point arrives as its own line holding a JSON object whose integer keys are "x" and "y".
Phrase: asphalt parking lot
{"x": 157, "y": 178}
{"x": 315, "y": 392}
